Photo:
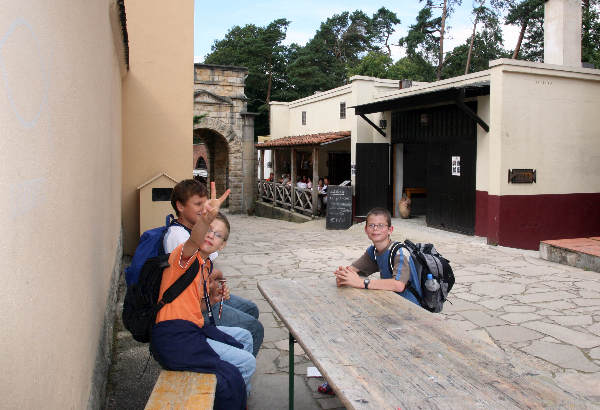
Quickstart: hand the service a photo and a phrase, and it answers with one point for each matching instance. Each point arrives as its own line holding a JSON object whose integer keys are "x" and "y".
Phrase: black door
{"x": 446, "y": 132}
{"x": 338, "y": 167}
{"x": 451, "y": 174}
{"x": 372, "y": 177}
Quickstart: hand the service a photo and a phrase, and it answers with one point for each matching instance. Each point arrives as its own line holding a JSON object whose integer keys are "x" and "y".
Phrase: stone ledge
{"x": 567, "y": 252}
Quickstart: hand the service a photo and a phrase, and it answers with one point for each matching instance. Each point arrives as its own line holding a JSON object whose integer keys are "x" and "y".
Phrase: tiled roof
{"x": 310, "y": 139}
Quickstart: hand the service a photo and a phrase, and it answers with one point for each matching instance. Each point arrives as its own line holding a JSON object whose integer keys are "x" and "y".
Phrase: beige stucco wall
{"x": 60, "y": 181}
{"x": 157, "y": 100}
{"x": 323, "y": 113}
{"x": 482, "y": 162}
{"x": 544, "y": 117}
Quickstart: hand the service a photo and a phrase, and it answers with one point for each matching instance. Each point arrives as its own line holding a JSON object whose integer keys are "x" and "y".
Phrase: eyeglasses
{"x": 216, "y": 234}
{"x": 377, "y": 226}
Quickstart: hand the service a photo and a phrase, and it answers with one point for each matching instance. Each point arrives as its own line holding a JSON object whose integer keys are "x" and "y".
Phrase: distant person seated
{"x": 270, "y": 179}
{"x": 301, "y": 183}
{"x": 309, "y": 183}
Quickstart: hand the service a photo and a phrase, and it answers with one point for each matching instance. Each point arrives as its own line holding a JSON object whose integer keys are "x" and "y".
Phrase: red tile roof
{"x": 310, "y": 139}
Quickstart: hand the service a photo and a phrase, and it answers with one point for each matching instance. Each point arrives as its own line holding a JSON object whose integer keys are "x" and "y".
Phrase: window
{"x": 303, "y": 117}
{"x": 342, "y": 110}
{"x": 161, "y": 194}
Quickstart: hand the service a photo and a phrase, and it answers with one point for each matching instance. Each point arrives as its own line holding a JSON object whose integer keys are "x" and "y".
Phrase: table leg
{"x": 291, "y": 374}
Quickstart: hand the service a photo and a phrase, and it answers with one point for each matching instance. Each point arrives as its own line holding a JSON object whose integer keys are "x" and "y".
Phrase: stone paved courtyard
{"x": 543, "y": 314}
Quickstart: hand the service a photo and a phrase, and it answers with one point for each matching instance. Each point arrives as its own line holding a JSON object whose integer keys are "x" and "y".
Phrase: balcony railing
{"x": 282, "y": 196}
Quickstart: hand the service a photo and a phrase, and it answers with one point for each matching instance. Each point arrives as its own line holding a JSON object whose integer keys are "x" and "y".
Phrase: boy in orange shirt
{"x": 181, "y": 340}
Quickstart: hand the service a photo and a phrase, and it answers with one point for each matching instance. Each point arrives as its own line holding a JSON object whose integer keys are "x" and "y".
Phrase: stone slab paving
{"x": 544, "y": 314}
{"x": 541, "y": 313}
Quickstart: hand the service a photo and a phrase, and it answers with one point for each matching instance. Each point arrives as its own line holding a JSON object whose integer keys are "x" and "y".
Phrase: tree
{"x": 412, "y": 67}
{"x": 374, "y": 64}
{"x": 529, "y": 15}
{"x": 426, "y": 36}
{"x": 590, "y": 32}
{"x": 489, "y": 41}
{"x": 337, "y": 48}
{"x": 259, "y": 49}
{"x": 382, "y": 27}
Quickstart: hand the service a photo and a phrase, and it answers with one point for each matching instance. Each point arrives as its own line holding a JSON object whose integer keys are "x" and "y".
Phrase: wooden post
{"x": 315, "y": 180}
{"x": 261, "y": 170}
{"x": 293, "y": 175}
{"x": 274, "y": 159}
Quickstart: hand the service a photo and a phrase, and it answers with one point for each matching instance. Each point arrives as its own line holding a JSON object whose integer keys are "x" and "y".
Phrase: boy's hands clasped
{"x": 347, "y": 276}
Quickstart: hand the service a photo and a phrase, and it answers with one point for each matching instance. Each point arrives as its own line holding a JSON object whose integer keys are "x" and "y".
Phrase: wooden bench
{"x": 183, "y": 390}
{"x": 410, "y": 191}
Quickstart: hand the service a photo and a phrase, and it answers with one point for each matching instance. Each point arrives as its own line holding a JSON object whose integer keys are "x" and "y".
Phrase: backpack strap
{"x": 180, "y": 284}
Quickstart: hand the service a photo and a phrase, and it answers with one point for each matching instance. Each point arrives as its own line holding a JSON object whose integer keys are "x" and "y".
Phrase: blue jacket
{"x": 386, "y": 273}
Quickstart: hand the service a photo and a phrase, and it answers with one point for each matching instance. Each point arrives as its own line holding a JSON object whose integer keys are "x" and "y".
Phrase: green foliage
{"x": 374, "y": 64}
{"x": 259, "y": 49}
{"x": 590, "y": 32}
{"x": 414, "y": 68}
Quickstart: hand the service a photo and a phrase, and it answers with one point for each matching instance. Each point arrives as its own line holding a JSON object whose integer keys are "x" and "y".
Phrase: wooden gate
{"x": 372, "y": 177}
{"x": 449, "y": 134}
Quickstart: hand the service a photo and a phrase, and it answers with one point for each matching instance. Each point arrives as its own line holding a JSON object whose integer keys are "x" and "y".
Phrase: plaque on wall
{"x": 522, "y": 176}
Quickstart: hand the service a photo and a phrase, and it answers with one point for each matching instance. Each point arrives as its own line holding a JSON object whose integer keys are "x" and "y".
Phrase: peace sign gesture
{"x": 212, "y": 206}
{"x": 207, "y": 215}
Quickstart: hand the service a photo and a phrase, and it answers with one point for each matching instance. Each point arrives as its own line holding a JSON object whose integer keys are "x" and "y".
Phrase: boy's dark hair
{"x": 186, "y": 189}
{"x": 381, "y": 211}
{"x": 223, "y": 218}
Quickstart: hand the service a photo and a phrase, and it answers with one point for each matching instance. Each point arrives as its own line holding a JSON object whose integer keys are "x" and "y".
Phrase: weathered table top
{"x": 379, "y": 351}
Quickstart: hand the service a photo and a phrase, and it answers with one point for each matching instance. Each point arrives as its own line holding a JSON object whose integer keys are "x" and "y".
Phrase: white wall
{"x": 60, "y": 181}
{"x": 546, "y": 118}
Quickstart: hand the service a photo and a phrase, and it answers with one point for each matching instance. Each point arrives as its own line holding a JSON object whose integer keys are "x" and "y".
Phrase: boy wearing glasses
{"x": 378, "y": 228}
{"x": 188, "y": 199}
{"x": 181, "y": 339}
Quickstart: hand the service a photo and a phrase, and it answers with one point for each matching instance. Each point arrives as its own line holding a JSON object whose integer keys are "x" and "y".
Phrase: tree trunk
{"x": 442, "y": 29}
{"x": 270, "y": 80}
{"x": 520, "y": 40}
{"x": 471, "y": 45}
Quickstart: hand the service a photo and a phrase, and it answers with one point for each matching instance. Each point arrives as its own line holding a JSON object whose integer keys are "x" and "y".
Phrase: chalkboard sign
{"x": 339, "y": 207}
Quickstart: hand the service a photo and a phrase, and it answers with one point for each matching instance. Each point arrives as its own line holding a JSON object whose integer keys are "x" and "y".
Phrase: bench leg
{"x": 291, "y": 374}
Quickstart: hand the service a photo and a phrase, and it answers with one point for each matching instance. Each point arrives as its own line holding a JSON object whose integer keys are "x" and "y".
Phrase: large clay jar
{"x": 404, "y": 207}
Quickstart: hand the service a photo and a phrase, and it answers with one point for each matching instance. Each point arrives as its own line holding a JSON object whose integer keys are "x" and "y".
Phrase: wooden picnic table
{"x": 380, "y": 351}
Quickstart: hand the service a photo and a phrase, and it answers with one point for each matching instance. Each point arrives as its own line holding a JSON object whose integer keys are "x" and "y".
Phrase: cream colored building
{"x": 79, "y": 133}
{"x": 511, "y": 153}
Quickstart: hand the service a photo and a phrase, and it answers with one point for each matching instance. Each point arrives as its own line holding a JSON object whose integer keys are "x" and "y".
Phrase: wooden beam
{"x": 315, "y": 180}
{"x": 372, "y": 124}
{"x": 261, "y": 171}
{"x": 293, "y": 175}
{"x": 460, "y": 102}
{"x": 274, "y": 159}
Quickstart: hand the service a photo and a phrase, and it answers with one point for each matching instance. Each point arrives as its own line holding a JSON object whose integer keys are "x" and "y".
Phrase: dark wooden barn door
{"x": 451, "y": 192}
{"x": 372, "y": 177}
{"x": 446, "y": 132}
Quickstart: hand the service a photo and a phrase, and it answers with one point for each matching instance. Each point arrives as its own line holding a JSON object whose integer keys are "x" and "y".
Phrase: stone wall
{"x": 220, "y": 101}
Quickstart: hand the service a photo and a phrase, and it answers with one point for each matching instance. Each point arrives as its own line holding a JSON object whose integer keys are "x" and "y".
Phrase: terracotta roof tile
{"x": 309, "y": 139}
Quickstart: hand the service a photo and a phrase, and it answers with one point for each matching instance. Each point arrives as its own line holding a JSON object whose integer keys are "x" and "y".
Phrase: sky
{"x": 213, "y": 19}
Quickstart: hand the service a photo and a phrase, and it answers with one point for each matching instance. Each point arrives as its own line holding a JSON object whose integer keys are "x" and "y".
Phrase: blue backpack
{"x": 151, "y": 245}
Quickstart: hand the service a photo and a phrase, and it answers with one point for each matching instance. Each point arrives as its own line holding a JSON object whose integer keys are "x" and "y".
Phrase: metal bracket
{"x": 372, "y": 124}
{"x": 460, "y": 102}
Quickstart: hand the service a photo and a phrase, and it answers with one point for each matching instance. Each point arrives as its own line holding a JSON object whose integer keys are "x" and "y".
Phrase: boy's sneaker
{"x": 325, "y": 389}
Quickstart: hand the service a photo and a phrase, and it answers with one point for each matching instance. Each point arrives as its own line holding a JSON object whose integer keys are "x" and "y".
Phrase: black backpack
{"x": 426, "y": 260}
{"x": 141, "y": 303}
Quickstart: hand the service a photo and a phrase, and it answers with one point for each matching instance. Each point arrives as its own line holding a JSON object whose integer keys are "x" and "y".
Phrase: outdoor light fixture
{"x": 382, "y": 124}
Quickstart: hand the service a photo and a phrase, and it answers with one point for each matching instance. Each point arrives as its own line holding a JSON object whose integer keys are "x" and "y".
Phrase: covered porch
{"x": 314, "y": 156}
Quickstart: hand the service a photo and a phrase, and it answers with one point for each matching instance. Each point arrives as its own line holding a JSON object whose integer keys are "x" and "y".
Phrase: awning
{"x": 426, "y": 97}
{"x": 305, "y": 140}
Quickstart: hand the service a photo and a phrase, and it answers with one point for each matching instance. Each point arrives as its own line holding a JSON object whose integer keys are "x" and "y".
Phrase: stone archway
{"x": 227, "y": 130}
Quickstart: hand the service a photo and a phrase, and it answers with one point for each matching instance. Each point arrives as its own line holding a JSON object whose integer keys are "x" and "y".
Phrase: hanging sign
{"x": 456, "y": 166}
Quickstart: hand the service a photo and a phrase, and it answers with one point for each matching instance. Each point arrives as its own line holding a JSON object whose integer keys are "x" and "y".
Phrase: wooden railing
{"x": 280, "y": 195}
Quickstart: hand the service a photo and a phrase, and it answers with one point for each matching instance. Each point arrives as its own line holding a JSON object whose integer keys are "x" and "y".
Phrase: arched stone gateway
{"x": 224, "y": 132}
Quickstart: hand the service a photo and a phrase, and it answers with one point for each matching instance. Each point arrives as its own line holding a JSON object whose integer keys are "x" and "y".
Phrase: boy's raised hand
{"x": 207, "y": 215}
